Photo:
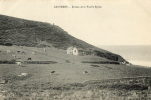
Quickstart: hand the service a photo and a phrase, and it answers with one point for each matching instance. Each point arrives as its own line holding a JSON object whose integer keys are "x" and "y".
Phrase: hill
{"x": 66, "y": 75}
{"x": 21, "y": 32}
{"x": 47, "y": 72}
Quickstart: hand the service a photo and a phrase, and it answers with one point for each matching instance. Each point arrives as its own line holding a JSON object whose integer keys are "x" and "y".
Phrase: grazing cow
{"x": 52, "y": 72}
{"x": 18, "y": 51}
{"x": 85, "y": 72}
{"x": 23, "y": 74}
{"x": 19, "y": 63}
{"x": 29, "y": 59}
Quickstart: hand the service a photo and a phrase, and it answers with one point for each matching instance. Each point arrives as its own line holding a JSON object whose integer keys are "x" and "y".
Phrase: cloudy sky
{"x": 118, "y": 22}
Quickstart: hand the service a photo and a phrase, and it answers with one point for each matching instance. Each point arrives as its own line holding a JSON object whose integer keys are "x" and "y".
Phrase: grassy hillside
{"x": 69, "y": 68}
{"x": 71, "y": 78}
{"x": 20, "y": 32}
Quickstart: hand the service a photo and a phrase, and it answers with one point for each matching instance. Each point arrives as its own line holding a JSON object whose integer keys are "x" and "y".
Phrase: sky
{"x": 117, "y": 22}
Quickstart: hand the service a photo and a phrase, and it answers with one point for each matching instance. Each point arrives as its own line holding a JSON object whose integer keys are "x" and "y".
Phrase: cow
{"x": 29, "y": 59}
{"x": 18, "y": 51}
{"x": 85, "y": 72}
{"x": 23, "y": 74}
{"x": 19, "y": 63}
{"x": 52, "y": 72}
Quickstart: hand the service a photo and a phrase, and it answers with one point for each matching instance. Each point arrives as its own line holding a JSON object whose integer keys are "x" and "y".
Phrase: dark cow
{"x": 29, "y": 59}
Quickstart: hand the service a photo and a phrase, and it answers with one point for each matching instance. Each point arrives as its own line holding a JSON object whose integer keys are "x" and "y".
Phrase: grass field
{"x": 67, "y": 70}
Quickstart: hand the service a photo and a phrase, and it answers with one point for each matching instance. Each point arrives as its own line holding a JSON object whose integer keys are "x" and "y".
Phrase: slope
{"x": 20, "y": 32}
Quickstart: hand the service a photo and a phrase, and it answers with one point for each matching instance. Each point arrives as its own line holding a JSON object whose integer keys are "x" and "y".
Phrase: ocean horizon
{"x": 135, "y": 54}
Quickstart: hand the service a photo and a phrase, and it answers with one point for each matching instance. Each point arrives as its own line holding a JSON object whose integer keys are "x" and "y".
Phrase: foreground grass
{"x": 92, "y": 94}
{"x": 36, "y": 85}
{"x": 119, "y": 89}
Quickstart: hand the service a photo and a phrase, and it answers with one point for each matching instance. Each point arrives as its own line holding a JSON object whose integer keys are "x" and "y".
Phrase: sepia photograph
{"x": 75, "y": 50}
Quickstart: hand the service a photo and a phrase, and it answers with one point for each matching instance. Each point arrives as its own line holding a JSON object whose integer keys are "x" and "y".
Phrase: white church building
{"x": 72, "y": 51}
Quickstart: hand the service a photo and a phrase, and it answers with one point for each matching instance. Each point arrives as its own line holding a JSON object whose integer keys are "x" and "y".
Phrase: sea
{"x": 135, "y": 54}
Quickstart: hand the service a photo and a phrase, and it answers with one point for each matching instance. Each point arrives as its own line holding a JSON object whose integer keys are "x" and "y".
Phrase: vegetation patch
{"x": 102, "y": 62}
{"x": 95, "y": 65}
{"x": 39, "y": 62}
{"x": 7, "y": 62}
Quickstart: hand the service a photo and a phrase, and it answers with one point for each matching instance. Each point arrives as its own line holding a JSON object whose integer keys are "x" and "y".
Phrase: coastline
{"x": 135, "y": 54}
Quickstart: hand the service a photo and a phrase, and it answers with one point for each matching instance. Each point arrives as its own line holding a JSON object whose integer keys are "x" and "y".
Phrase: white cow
{"x": 23, "y": 74}
{"x": 19, "y": 63}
